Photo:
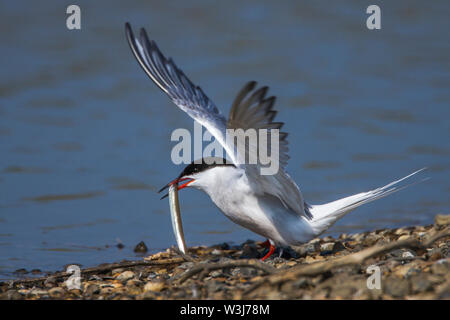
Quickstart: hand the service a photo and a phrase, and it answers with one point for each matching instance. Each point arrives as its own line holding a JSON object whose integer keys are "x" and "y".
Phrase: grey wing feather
{"x": 183, "y": 93}
{"x": 251, "y": 109}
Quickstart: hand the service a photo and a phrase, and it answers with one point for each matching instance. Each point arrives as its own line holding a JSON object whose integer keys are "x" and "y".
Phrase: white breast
{"x": 263, "y": 214}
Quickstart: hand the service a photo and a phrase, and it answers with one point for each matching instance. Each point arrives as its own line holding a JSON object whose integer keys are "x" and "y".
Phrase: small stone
{"x": 331, "y": 248}
{"x": 120, "y": 245}
{"x": 249, "y": 272}
{"x": 224, "y": 260}
{"x": 353, "y": 244}
{"x": 396, "y": 287}
{"x": 106, "y": 291}
{"x": 403, "y": 237}
{"x": 38, "y": 292}
{"x": 186, "y": 265}
{"x": 338, "y": 246}
{"x": 56, "y": 292}
{"x": 401, "y": 231}
{"x": 421, "y": 283}
{"x": 288, "y": 253}
{"x": 148, "y": 295}
{"x": 370, "y": 240}
{"x": 91, "y": 289}
{"x": 155, "y": 286}
{"x": 13, "y": 295}
{"x": 406, "y": 271}
{"x": 301, "y": 283}
{"x": 327, "y": 246}
{"x": 140, "y": 247}
{"x": 384, "y": 232}
{"x": 176, "y": 272}
{"x": 134, "y": 290}
{"x": 441, "y": 267}
{"x": 434, "y": 254}
{"x": 21, "y": 271}
{"x": 359, "y": 236}
{"x": 126, "y": 275}
{"x": 215, "y": 274}
{"x": 277, "y": 261}
{"x": 420, "y": 235}
{"x": 442, "y": 220}
{"x": 161, "y": 271}
{"x": 50, "y": 282}
{"x": 236, "y": 272}
{"x": 216, "y": 252}
{"x": 133, "y": 282}
{"x": 23, "y": 292}
{"x": 344, "y": 291}
{"x": 224, "y": 246}
{"x": 307, "y": 249}
{"x": 407, "y": 254}
{"x": 249, "y": 251}
{"x": 397, "y": 253}
{"x": 343, "y": 236}
{"x": 402, "y": 253}
{"x": 151, "y": 276}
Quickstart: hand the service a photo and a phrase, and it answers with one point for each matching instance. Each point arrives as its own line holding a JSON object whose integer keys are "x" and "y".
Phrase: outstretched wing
{"x": 183, "y": 93}
{"x": 252, "y": 110}
{"x": 255, "y": 112}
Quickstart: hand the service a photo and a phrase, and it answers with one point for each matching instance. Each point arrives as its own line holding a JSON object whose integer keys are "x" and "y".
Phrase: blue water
{"x": 85, "y": 135}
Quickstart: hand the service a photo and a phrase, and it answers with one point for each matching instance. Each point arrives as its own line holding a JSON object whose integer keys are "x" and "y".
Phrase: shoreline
{"x": 401, "y": 263}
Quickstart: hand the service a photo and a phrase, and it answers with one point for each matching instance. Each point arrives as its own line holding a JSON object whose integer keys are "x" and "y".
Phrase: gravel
{"x": 404, "y": 273}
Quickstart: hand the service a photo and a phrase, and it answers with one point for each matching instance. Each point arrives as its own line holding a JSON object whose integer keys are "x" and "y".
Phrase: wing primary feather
{"x": 257, "y": 96}
{"x": 139, "y": 57}
{"x": 150, "y": 49}
{"x": 239, "y": 97}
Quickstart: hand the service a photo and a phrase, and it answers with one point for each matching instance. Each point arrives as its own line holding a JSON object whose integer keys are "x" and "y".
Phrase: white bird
{"x": 269, "y": 205}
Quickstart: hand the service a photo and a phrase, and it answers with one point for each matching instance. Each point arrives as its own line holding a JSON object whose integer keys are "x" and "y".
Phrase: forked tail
{"x": 325, "y": 215}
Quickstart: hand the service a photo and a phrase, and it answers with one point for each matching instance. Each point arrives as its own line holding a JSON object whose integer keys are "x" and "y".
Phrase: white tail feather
{"x": 325, "y": 215}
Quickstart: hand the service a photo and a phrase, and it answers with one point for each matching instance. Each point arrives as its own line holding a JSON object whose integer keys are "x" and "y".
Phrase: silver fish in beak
{"x": 175, "y": 216}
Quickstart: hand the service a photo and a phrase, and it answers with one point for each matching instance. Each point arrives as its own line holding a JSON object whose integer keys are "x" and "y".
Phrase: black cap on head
{"x": 206, "y": 163}
{"x": 192, "y": 168}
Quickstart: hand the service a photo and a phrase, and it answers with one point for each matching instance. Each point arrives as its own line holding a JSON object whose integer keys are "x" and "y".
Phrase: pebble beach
{"x": 412, "y": 262}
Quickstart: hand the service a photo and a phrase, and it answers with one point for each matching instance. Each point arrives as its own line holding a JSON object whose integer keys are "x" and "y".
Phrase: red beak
{"x": 176, "y": 181}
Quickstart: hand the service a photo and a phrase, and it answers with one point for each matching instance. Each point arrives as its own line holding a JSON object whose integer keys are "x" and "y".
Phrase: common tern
{"x": 269, "y": 205}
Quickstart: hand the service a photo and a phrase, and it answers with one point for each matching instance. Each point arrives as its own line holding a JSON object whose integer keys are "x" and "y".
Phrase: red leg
{"x": 271, "y": 251}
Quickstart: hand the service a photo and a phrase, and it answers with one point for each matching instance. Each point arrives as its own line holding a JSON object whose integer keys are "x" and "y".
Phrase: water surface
{"x": 85, "y": 136}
